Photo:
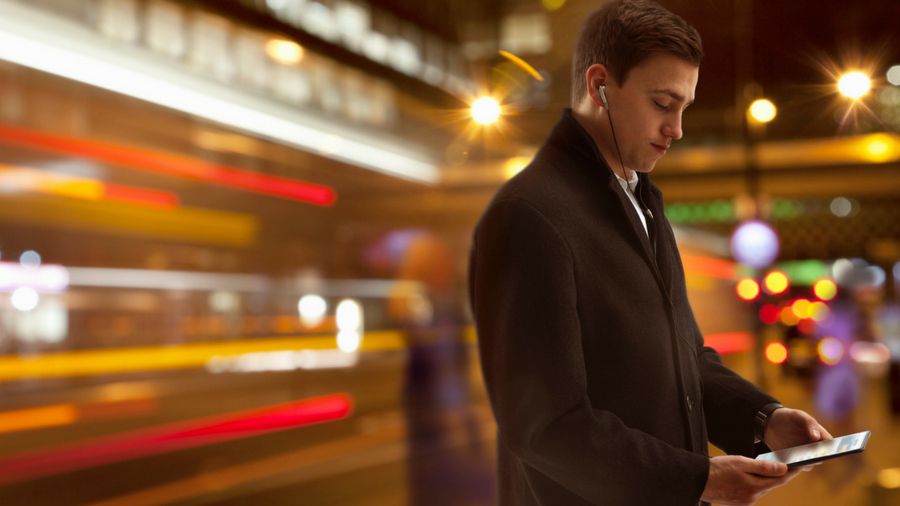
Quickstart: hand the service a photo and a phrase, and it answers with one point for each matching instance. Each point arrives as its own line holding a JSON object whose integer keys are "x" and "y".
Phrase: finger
{"x": 768, "y": 469}
{"x": 771, "y": 483}
{"x": 763, "y": 484}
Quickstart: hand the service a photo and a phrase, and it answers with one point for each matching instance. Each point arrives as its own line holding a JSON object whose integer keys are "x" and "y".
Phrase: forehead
{"x": 665, "y": 72}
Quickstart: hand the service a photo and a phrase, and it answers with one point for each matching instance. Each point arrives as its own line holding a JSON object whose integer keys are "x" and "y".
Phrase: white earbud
{"x": 602, "y": 91}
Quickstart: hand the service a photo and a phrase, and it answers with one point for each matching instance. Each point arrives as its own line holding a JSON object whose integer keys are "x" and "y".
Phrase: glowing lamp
{"x": 854, "y": 85}
{"x": 485, "y": 110}
{"x": 762, "y": 111}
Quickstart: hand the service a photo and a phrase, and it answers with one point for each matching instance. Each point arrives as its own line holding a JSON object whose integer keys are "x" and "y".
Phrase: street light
{"x": 762, "y": 110}
{"x": 485, "y": 110}
{"x": 854, "y": 85}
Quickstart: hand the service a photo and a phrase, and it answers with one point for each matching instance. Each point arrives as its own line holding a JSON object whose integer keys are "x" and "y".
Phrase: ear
{"x": 594, "y": 76}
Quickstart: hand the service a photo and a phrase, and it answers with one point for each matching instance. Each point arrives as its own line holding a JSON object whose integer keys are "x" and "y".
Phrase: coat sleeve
{"x": 729, "y": 402}
{"x": 522, "y": 290}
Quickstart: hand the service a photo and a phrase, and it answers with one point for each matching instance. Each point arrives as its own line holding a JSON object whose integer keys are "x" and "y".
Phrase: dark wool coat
{"x": 595, "y": 368}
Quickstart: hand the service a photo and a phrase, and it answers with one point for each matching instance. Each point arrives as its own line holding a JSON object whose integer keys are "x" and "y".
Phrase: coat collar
{"x": 570, "y": 139}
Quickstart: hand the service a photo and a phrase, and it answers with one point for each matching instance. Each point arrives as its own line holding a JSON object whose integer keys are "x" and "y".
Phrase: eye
{"x": 661, "y": 107}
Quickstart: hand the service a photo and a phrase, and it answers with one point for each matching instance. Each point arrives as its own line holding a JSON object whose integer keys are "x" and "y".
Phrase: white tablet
{"x": 819, "y": 451}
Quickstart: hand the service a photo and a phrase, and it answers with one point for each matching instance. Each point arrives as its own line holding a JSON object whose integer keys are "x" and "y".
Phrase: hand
{"x": 792, "y": 427}
{"x": 739, "y": 481}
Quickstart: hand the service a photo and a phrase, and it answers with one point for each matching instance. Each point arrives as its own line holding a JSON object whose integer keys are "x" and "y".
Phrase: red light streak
{"x": 172, "y": 165}
{"x": 177, "y": 436}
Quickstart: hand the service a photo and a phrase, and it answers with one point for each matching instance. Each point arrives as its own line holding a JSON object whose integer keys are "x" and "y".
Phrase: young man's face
{"x": 646, "y": 110}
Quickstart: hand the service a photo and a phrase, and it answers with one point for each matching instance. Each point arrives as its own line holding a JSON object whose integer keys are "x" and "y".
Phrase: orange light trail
{"x": 522, "y": 64}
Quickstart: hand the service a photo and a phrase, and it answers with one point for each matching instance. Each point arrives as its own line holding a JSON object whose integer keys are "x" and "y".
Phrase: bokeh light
{"x": 819, "y": 311}
{"x": 801, "y": 308}
{"x": 312, "y": 309}
{"x": 788, "y": 317}
{"x": 806, "y": 326}
{"x": 348, "y": 341}
{"x": 776, "y": 282}
{"x": 841, "y": 207}
{"x": 870, "y": 353}
{"x": 762, "y": 111}
{"x": 284, "y": 51}
{"x": 889, "y": 478}
{"x": 831, "y": 351}
{"x": 25, "y": 298}
{"x": 30, "y": 258}
{"x": 893, "y": 75}
{"x": 349, "y": 315}
{"x": 769, "y": 314}
{"x": 754, "y": 243}
{"x": 747, "y": 289}
{"x": 825, "y": 289}
{"x": 776, "y": 353}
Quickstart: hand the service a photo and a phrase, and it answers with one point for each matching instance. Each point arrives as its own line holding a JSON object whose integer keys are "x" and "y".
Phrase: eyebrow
{"x": 673, "y": 94}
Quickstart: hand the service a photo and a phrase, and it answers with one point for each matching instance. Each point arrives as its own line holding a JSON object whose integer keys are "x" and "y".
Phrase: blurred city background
{"x": 234, "y": 236}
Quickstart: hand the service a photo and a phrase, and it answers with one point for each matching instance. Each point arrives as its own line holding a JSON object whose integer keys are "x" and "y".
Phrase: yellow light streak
{"x": 117, "y": 361}
{"x": 193, "y": 225}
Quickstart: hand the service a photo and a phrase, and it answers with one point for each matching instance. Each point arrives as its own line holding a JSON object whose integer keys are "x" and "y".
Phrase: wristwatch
{"x": 761, "y": 419}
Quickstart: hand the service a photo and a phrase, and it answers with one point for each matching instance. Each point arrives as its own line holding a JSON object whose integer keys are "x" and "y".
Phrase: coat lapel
{"x": 637, "y": 232}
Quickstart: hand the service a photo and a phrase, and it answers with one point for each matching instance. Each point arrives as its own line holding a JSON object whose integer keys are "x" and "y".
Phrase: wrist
{"x": 761, "y": 420}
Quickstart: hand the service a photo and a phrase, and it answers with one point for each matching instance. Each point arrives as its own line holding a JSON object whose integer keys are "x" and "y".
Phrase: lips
{"x": 660, "y": 148}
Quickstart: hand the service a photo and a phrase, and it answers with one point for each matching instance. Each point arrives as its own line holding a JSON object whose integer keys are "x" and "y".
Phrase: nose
{"x": 672, "y": 127}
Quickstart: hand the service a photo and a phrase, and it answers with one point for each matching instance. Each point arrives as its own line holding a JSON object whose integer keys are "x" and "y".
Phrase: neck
{"x": 597, "y": 126}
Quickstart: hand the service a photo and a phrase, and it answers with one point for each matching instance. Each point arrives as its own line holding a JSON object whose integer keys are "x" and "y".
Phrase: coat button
{"x": 690, "y": 403}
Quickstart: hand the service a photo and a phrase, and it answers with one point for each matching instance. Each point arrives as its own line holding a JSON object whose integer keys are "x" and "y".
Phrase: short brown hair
{"x": 623, "y": 33}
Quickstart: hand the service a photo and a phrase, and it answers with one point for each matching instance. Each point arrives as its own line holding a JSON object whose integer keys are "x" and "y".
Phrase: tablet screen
{"x": 821, "y": 450}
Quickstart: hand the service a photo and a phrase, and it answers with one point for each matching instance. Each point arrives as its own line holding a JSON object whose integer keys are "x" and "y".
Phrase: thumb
{"x": 766, "y": 468}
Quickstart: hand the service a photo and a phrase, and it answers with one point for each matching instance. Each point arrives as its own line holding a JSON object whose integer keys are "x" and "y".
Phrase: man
{"x": 596, "y": 371}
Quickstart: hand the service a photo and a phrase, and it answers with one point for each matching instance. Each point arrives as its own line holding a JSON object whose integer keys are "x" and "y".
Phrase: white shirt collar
{"x": 632, "y": 181}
